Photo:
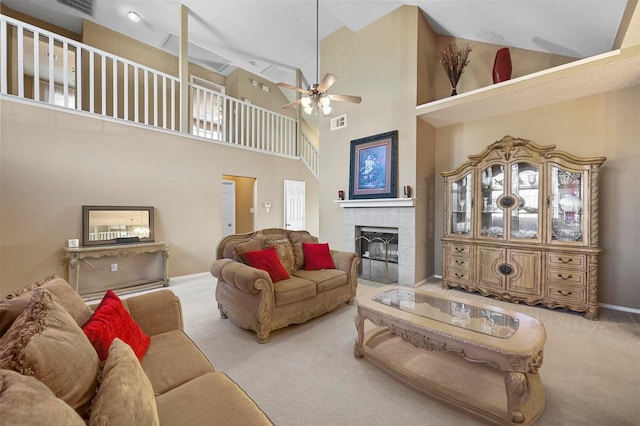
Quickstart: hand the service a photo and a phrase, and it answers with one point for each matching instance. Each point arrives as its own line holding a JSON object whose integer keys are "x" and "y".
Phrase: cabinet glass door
{"x": 525, "y": 221}
{"x": 492, "y": 214}
{"x": 566, "y": 205}
{"x": 461, "y": 205}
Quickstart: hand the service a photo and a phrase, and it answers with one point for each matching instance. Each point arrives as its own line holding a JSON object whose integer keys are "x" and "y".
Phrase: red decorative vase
{"x": 502, "y": 65}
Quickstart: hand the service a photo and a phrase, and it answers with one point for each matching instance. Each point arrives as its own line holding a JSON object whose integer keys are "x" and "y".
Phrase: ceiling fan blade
{"x": 292, "y": 104}
{"x": 327, "y": 81}
{"x": 288, "y": 86}
{"x": 346, "y": 98}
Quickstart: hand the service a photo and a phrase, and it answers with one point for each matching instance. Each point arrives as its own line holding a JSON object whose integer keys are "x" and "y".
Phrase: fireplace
{"x": 378, "y": 251}
{"x": 386, "y": 216}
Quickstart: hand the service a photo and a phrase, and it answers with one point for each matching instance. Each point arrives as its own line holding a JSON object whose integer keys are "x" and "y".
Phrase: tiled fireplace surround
{"x": 388, "y": 214}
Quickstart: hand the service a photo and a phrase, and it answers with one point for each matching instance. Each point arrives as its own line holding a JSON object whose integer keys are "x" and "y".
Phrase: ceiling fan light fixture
{"x": 326, "y": 110}
{"x": 308, "y": 109}
{"x": 305, "y": 101}
{"x": 325, "y": 101}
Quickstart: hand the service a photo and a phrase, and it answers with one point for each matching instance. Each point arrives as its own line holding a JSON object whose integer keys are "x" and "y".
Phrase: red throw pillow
{"x": 111, "y": 320}
{"x": 267, "y": 260}
{"x": 317, "y": 256}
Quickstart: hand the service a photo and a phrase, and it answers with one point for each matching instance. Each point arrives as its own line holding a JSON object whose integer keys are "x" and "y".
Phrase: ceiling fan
{"x": 317, "y": 94}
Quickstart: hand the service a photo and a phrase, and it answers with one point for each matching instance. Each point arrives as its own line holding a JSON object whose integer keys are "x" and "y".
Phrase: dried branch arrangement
{"x": 453, "y": 59}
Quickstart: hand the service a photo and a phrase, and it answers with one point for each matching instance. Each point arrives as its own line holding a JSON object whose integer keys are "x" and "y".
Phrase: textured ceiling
{"x": 273, "y": 38}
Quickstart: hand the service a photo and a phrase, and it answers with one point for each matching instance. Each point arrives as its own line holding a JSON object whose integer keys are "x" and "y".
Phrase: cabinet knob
{"x": 459, "y": 262}
{"x": 564, "y": 293}
{"x": 459, "y": 249}
{"x": 459, "y": 275}
{"x": 505, "y": 269}
{"x": 565, "y": 260}
{"x": 568, "y": 277}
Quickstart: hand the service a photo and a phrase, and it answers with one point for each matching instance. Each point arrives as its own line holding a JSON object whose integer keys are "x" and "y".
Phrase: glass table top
{"x": 463, "y": 315}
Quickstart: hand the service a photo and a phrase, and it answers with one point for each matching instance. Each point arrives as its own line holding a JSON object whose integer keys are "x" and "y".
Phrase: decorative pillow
{"x": 46, "y": 343}
{"x": 63, "y": 293}
{"x": 268, "y": 260}
{"x": 25, "y": 400}
{"x": 317, "y": 256}
{"x": 111, "y": 320}
{"x": 285, "y": 253}
{"x": 125, "y": 396}
{"x": 254, "y": 244}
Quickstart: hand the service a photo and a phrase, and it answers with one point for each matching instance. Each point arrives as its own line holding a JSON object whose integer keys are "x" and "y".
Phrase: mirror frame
{"x": 85, "y": 225}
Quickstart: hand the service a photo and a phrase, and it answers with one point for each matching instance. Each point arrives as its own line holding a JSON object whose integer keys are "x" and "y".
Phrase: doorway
{"x": 239, "y": 207}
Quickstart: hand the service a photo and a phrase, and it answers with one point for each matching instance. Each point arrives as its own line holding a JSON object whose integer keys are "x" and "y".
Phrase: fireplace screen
{"x": 378, "y": 251}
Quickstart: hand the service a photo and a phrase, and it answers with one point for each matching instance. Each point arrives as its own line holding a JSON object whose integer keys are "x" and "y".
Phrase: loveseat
{"x": 52, "y": 372}
{"x": 315, "y": 279}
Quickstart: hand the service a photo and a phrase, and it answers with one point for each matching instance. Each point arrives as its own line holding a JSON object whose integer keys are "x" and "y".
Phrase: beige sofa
{"x": 253, "y": 301}
{"x": 64, "y": 383}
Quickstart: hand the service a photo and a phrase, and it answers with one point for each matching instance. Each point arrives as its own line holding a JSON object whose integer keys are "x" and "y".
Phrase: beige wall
{"x": 601, "y": 125}
{"x": 379, "y": 63}
{"x": 52, "y": 162}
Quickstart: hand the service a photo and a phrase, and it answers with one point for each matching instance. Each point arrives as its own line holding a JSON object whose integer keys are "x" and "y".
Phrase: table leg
{"x": 357, "y": 347}
{"x": 517, "y": 387}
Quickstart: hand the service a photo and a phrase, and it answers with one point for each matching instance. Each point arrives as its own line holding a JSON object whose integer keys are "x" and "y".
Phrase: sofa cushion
{"x": 64, "y": 294}
{"x": 173, "y": 359}
{"x": 285, "y": 253}
{"x": 317, "y": 256}
{"x": 255, "y": 243}
{"x": 326, "y": 279}
{"x": 111, "y": 320}
{"x": 212, "y": 398}
{"x": 267, "y": 260}
{"x": 46, "y": 343}
{"x": 125, "y": 396}
{"x": 25, "y": 400}
{"x": 293, "y": 290}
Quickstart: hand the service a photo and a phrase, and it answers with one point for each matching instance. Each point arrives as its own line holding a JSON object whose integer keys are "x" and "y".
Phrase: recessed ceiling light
{"x": 133, "y": 16}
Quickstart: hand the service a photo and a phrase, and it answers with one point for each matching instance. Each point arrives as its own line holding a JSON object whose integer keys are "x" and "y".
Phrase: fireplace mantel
{"x": 377, "y": 202}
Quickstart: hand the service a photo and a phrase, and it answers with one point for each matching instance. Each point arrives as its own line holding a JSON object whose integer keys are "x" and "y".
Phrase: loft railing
{"x": 45, "y": 67}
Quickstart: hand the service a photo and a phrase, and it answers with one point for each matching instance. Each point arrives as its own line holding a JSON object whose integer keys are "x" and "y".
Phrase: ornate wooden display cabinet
{"x": 521, "y": 224}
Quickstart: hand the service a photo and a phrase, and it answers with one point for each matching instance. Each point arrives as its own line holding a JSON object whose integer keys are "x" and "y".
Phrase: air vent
{"x": 198, "y": 55}
{"x": 339, "y": 122}
{"x": 274, "y": 73}
{"x": 87, "y": 7}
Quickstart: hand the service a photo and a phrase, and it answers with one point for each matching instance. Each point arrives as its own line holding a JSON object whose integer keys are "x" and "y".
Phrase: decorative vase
{"x": 502, "y": 65}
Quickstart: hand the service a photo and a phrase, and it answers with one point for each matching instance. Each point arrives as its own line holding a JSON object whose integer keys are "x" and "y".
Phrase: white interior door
{"x": 294, "y": 196}
{"x": 228, "y": 207}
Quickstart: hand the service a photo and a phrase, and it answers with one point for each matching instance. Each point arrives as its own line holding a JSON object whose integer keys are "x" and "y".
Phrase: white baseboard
{"x": 183, "y": 278}
{"x": 619, "y": 308}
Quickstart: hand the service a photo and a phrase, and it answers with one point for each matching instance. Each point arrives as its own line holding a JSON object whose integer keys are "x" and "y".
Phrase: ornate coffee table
{"x": 510, "y": 342}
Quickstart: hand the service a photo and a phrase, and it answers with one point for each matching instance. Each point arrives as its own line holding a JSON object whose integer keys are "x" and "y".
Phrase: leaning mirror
{"x": 103, "y": 225}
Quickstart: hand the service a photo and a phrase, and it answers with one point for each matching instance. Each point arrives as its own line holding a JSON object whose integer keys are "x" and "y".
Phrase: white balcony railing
{"x": 46, "y": 67}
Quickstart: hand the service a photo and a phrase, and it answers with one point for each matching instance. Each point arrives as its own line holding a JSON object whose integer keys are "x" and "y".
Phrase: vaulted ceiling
{"x": 273, "y": 38}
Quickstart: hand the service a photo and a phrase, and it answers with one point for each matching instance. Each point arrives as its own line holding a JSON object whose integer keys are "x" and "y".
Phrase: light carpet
{"x": 307, "y": 375}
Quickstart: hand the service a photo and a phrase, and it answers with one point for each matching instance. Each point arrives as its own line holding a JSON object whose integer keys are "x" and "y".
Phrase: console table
{"x": 120, "y": 267}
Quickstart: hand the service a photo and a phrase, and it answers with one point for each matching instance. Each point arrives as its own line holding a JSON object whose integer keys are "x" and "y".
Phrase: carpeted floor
{"x": 307, "y": 374}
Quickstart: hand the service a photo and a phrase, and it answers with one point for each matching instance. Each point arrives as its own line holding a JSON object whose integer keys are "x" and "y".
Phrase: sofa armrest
{"x": 247, "y": 278}
{"x": 156, "y": 312}
{"x": 345, "y": 261}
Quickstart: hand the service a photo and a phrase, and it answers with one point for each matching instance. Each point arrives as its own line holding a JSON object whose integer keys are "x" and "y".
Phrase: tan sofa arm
{"x": 156, "y": 312}
{"x": 345, "y": 261}
{"x": 245, "y": 277}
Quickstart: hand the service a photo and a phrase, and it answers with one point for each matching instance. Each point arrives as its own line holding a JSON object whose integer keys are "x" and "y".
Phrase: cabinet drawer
{"x": 459, "y": 249}
{"x": 566, "y": 293}
{"x": 571, "y": 260}
{"x": 461, "y": 263}
{"x": 566, "y": 276}
{"x": 459, "y": 275}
